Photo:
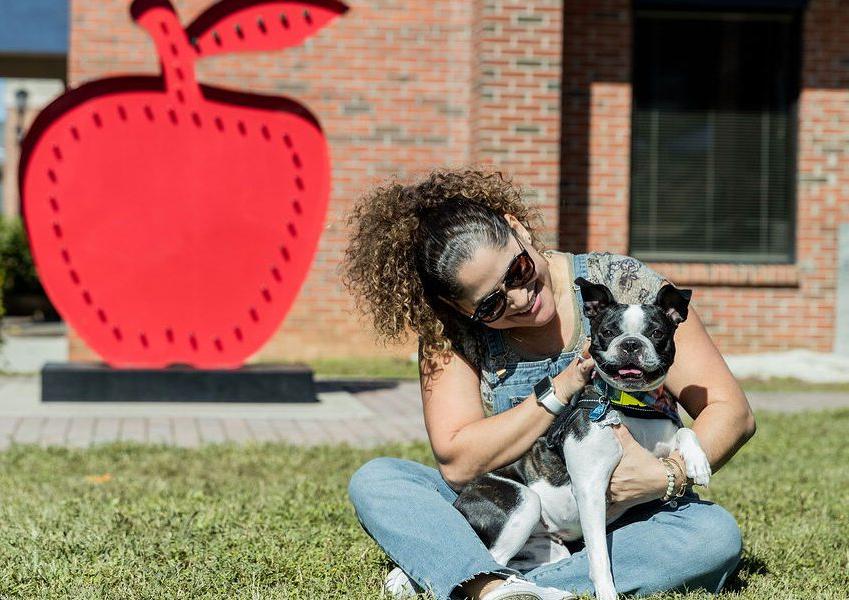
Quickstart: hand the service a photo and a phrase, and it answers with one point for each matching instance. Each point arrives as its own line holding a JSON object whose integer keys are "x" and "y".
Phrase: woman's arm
{"x": 464, "y": 442}
{"x": 709, "y": 393}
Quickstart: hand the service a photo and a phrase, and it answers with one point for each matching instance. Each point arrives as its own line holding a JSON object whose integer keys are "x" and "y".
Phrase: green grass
{"x": 399, "y": 368}
{"x": 789, "y": 384}
{"x": 273, "y": 521}
{"x": 378, "y": 367}
{"x": 368, "y": 368}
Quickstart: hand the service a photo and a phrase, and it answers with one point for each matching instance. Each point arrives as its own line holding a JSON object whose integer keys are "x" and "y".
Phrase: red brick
{"x": 483, "y": 82}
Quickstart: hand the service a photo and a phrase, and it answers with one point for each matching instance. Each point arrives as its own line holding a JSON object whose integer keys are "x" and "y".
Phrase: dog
{"x": 557, "y": 491}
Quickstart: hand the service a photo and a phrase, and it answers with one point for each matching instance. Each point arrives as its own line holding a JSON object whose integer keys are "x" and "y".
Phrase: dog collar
{"x": 654, "y": 404}
{"x": 598, "y": 397}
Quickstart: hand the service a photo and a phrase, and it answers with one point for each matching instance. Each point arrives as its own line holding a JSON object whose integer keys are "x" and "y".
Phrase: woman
{"x": 448, "y": 258}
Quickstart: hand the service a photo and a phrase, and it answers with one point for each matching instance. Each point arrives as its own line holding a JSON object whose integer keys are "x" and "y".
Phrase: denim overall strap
{"x": 494, "y": 342}
{"x": 579, "y": 262}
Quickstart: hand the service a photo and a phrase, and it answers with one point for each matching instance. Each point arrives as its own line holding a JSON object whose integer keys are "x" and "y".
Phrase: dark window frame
{"x": 683, "y": 255}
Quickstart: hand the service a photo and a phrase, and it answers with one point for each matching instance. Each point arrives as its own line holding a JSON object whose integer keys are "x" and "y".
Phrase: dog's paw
{"x": 698, "y": 469}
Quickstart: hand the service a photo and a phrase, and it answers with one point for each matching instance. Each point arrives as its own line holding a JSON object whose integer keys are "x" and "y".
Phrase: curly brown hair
{"x": 407, "y": 241}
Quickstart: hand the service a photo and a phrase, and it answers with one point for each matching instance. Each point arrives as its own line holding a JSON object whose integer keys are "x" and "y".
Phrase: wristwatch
{"x": 544, "y": 391}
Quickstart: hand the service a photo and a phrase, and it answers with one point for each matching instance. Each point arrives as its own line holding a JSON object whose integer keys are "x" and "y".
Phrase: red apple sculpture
{"x": 174, "y": 222}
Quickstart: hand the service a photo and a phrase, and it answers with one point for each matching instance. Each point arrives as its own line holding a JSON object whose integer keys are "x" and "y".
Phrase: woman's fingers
{"x": 573, "y": 378}
{"x": 581, "y": 372}
{"x": 624, "y": 436}
{"x": 585, "y": 361}
{"x": 585, "y": 368}
{"x": 639, "y": 476}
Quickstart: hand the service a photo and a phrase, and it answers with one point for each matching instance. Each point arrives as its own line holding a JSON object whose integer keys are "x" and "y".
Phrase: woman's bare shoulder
{"x": 450, "y": 388}
{"x": 454, "y": 362}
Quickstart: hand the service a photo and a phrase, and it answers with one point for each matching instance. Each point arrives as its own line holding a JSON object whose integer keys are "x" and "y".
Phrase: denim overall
{"x": 505, "y": 384}
{"x": 406, "y": 507}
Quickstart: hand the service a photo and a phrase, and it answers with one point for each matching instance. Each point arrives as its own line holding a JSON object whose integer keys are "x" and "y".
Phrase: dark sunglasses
{"x": 519, "y": 273}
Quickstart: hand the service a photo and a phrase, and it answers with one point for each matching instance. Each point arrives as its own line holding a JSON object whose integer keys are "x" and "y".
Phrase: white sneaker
{"x": 514, "y": 588}
{"x": 398, "y": 584}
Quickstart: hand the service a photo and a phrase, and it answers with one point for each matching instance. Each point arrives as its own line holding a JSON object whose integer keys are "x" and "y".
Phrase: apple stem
{"x": 176, "y": 54}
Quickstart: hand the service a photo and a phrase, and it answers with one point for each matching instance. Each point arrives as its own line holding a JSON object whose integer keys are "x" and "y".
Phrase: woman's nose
{"x": 518, "y": 298}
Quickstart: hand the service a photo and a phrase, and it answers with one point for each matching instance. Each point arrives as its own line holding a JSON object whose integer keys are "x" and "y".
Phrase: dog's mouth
{"x": 629, "y": 374}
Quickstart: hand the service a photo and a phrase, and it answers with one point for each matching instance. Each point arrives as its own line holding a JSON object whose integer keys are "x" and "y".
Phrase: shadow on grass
{"x": 739, "y": 579}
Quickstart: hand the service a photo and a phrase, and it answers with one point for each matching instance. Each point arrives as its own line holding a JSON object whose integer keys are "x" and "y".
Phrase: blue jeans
{"x": 407, "y": 508}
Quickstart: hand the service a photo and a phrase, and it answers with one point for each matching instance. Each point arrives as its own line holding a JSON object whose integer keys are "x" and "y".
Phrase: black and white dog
{"x": 557, "y": 491}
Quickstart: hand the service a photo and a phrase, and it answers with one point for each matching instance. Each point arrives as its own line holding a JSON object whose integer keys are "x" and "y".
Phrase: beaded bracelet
{"x": 684, "y": 480}
{"x": 670, "y": 480}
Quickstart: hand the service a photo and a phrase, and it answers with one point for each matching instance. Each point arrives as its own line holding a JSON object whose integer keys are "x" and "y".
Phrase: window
{"x": 713, "y": 136}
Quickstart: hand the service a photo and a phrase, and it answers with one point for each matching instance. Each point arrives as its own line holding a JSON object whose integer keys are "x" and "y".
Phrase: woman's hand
{"x": 639, "y": 477}
{"x": 574, "y": 377}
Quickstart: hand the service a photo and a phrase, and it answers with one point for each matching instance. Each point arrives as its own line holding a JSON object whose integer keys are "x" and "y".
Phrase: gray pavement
{"x": 27, "y": 346}
{"x": 359, "y": 413}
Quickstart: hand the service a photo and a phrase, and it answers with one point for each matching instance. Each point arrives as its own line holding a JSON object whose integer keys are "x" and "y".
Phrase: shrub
{"x": 16, "y": 265}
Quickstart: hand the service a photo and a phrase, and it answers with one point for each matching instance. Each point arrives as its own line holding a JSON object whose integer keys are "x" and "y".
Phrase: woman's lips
{"x": 536, "y": 304}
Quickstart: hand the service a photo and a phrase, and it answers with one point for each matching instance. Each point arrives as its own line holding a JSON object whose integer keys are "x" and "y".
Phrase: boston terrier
{"x": 557, "y": 491}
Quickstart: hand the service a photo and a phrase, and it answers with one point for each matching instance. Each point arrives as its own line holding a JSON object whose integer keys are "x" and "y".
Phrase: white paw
{"x": 698, "y": 468}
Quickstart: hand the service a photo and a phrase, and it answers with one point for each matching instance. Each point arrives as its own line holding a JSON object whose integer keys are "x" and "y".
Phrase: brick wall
{"x": 595, "y": 150}
{"x": 390, "y": 83}
{"x": 823, "y": 169}
{"x": 540, "y": 89}
{"x": 746, "y": 308}
{"x": 763, "y": 308}
{"x": 516, "y": 118}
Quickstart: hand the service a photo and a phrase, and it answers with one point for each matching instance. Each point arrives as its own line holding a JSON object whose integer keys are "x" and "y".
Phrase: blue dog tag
{"x": 598, "y": 412}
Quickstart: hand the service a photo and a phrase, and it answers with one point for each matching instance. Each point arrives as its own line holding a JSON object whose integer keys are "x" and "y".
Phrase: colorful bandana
{"x": 652, "y": 404}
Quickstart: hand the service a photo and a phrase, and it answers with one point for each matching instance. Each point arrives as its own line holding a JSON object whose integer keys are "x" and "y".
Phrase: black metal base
{"x": 98, "y": 382}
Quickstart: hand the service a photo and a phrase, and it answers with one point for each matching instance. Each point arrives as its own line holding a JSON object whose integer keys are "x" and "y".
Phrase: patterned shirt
{"x": 630, "y": 281}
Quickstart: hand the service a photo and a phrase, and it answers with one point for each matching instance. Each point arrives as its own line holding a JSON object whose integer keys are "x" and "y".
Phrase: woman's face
{"x": 531, "y": 305}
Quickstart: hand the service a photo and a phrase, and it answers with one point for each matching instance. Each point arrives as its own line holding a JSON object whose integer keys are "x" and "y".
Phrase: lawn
{"x": 273, "y": 521}
{"x": 397, "y": 368}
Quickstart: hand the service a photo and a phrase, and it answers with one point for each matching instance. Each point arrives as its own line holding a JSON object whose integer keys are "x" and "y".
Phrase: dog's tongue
{"x": 626, "y": 372}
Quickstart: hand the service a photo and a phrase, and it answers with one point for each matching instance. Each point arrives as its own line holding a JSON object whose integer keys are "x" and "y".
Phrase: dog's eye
{"x": 607, "y": 332}
{"x": 657, "y": 334}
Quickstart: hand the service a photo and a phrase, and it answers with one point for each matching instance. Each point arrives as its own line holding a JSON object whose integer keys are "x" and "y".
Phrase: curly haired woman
{"x": 442, "y": 257}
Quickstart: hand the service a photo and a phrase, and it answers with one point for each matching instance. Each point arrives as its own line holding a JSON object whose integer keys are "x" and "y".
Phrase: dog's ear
{"x": 674, "y": 302}
{"x": 597, "y": 298}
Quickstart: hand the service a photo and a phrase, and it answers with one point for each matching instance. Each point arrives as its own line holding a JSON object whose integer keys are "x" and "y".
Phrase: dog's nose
{"x": 631, "y": 345}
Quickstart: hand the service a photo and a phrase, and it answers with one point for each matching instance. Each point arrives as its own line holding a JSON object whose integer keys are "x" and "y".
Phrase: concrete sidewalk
{"x": 360, "y": 413}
